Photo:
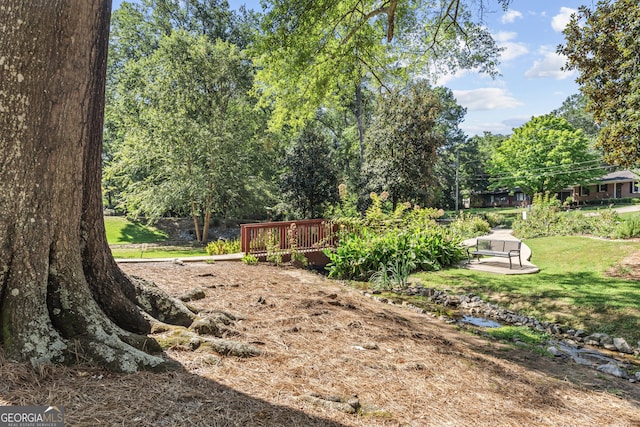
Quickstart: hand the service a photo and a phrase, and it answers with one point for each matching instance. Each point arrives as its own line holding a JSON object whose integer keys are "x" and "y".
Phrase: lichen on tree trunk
{"x": 62, "y": 296}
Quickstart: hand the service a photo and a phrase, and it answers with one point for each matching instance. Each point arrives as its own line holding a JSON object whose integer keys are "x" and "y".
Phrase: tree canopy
{"x": 408, "y": 128}
{"x": 603, "y": 45}
{"x": 312, "y": 52}
{"x": 574, "y": 110}
{"x": 545, "y": 154}
{"x": 310, "y": 181}
{"x": 183, "y": 131}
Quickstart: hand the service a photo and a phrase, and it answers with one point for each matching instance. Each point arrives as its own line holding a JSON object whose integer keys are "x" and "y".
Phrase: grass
{"x": 571, "y": 288}
{"x": 122, "y": 231}
{"x": 158, "y": 252}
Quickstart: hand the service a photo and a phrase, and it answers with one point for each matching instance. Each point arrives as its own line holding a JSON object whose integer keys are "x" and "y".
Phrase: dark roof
{"x": 619, "y": 176}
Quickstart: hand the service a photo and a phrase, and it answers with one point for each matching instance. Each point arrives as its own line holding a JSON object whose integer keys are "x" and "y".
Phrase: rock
{"x": 579, "y": 333}
{"x": 178, "y": 261}
{"x": 554, "y": 351}
{"x": 206, "y": 326}
{"x": 581, "y": 361}
{"x": 622, "y": 346}
{"x": 351, "y": 406}
{"x": 598, "y": 339}
{"x": 638, "y": 376}
{"x": 194, "y": 343}
{"x": 193, "y": 295}
{"x": 614, "y": 370}
{"x": 571, "y": 343}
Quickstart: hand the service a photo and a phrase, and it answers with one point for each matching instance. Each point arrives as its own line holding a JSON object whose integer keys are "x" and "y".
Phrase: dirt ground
{"x": 628, "y": 268}
{"x": 331, "y": 357}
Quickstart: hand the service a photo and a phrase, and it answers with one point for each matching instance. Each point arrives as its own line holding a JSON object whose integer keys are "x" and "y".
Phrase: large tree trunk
{"x": 61, "y": 292}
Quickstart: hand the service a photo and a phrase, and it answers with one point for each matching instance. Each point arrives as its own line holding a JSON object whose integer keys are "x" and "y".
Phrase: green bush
{"x": 360, "y": 255}
{"x": 392, "y": 276}
{"x": 605, "y": 223}
{"x": 495, "y": 219}
{"x": 250, "y": 259}
{"x": 545, "y": 219}
{"x": 390, "y": 244}
{"x": 466, "y": 226}
{"x": 221, "y": 247}
{"x": 542, "y": 218}
{"x": 627, "y": 229}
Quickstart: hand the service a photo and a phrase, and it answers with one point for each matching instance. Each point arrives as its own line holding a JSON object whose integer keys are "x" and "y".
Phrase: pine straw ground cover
{"x": 324, "y": 344}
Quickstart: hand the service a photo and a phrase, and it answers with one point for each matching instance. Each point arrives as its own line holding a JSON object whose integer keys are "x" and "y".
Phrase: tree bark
{"x": 61, "y": 292}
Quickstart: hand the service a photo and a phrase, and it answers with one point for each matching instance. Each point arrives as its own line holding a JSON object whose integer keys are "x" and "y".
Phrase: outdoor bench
{"x": 497, "y": 248}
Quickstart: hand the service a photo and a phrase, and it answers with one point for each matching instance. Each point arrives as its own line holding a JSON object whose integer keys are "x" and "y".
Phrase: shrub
{"x": 274, "y": 253}
{"x": 220, "y": 247}
{"x": 250, "y": 259}
{"x": 390, "y": 244}
{"x": 361, "y": 255}
{"x": 495, "y": 219}
{"x": 545, "y": 219}
{"x": 466, "y": 226}
{"x": 541, "y": 219}
{"x": 627, "y": 229}
{"x": 394, "y": 275}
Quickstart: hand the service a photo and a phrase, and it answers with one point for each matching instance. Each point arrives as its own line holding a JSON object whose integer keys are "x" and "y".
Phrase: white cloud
{"x": 504, "y": 36}
{"x": 502, "y": 127}
{"x": 549, "y": 66}
{"x": 560, "y": 21}
{"x": 512, "y": 49}
{"x": 510, "y": 16}
{"x": 489, "y": 98}
{"x": 443, "y": 78}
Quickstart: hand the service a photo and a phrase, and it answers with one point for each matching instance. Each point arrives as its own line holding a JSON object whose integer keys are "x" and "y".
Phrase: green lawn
{"x": 158, "y": 252}
{"x": 571, "y": 287}
{"x": 122, "y": 231}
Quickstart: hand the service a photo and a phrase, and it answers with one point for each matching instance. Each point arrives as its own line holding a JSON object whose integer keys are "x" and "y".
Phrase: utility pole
{"x": 457, "y": 178}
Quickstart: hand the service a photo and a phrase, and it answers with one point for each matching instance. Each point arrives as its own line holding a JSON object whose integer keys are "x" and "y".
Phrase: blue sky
{"x": 531, "y": 82}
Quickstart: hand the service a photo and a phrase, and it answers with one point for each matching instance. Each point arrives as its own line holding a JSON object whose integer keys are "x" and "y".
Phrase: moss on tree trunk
{"x": 62, "y": 296}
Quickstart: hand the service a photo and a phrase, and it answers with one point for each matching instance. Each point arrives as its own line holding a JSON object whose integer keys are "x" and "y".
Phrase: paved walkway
{"x": 501, "y": 265}
{"x": 227, "y": 257}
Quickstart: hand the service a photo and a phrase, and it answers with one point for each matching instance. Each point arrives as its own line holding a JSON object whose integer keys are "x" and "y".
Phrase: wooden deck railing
{"x": 310, "y": 235}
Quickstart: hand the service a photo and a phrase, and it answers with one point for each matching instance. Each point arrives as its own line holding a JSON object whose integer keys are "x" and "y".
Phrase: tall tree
{"x": 189, "y": 146}
{"x": 544, "y": 154}
{"x": 176, "y": 98}
{"x": 603, "y": 45}
{"x": 62, "y": 296}
{"x": 402, "y": 143}
{"x": 448, "y": 155}
{"x": 574, "y": 111}
{"x": 312, "y": 52}
{"x": 475, "y": 162}
{"x": 55, "y": 264}
{"x": 310, "y": 181}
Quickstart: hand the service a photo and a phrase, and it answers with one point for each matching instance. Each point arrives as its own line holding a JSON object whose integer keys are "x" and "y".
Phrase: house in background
{"x": 499, "y": 198}
{"x": 614, "y": 185}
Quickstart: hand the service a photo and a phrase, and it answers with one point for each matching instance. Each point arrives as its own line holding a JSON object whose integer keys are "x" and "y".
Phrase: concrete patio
{"x": 501, "y": 265}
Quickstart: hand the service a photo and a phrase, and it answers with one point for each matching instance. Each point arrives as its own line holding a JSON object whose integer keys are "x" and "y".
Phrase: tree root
{"x": 161, "y": 306}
